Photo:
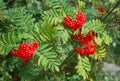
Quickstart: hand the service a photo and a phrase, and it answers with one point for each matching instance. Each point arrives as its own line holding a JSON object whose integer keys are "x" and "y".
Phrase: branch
{"x": 105, "y": 17}
{"x": 66, "y": 59}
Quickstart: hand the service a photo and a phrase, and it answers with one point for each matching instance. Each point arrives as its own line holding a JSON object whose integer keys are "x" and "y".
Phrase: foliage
{"x": 47, "y": 58}
{"x": 83, "y": 67}
{"x": 101, "y": 52}
{"x": 55, "y": 59}
{"x": 21, "y": 22}
{"x": 8, "y": 42}
{"x": 43, "y": 34}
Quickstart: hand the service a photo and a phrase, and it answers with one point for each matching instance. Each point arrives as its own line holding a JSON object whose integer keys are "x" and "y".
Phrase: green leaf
{"x": 106, "y": 38}
{"x": 83, "y": 67}
{"x": 95, "y": 25}
{"x": 2, "y": 5}
{"x": 103, "y": 38}
{"x": 47, "y": 58}
{"x": 100, "y": 53}
{"x": 22, "y": 21}
{"x": 28, "y": 71}
{"x": 62, "y": 35}
{"x": 44, "y": 33}
{"x": 81, "y": 5}
{"x": 99, "y": 40}
{"x": 34, "y": 6}
{"x": 8, "y": 42}
{"x": 95, "y": 13}
{"x": 3, "y": 16}
{"x": 53, "y": 16}
{"x": 112, "y": 1}
{"x": 59, "y": 4}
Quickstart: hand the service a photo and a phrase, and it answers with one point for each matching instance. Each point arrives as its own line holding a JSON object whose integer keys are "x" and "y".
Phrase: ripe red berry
{"x": 81, "y": 16}
{"x": 67, "y": 18}
{"x": 101, "y": 9}
{"x": 78, "y": 36}
{"x": 76, "y": 23}
{"x": 85, "y": 39}
{"x": 87, "y": 50}
{"x": 25, "y": 51}
{"x": 80, "y": 50}
{"x": 90, "y": 48}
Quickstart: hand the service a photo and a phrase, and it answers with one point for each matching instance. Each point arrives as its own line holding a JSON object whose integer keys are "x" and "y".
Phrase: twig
{"x": 66, "y": 59}
{"x": 105, "y": 17}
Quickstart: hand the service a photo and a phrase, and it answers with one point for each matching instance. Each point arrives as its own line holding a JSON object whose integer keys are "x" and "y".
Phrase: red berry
{"x": 67, "y": 18}
{"x": 101, "y": 9}
{"x": 25, "y": 51}
{"x": 85, "y": 39}
{"x": 81, "y": 16}
{"x": 80, "y": 50}
{"x": 77, "y": 23}
{"x": 87, "y": 50}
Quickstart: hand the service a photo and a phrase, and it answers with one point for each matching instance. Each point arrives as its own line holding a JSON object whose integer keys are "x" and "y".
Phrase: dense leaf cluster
{"x": 55, "y": 58}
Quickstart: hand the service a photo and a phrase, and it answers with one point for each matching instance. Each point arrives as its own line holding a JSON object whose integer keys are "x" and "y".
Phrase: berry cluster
{"x": 101, "y": 9}
{"x": 89, "y": 48}
{"x": 76, "y": 23}
{"x": 85, "y": 39}
{"x": 25, "y": 51}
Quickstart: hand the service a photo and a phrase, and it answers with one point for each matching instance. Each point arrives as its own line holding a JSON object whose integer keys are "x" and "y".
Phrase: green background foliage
{"x": 55, "y": 58}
